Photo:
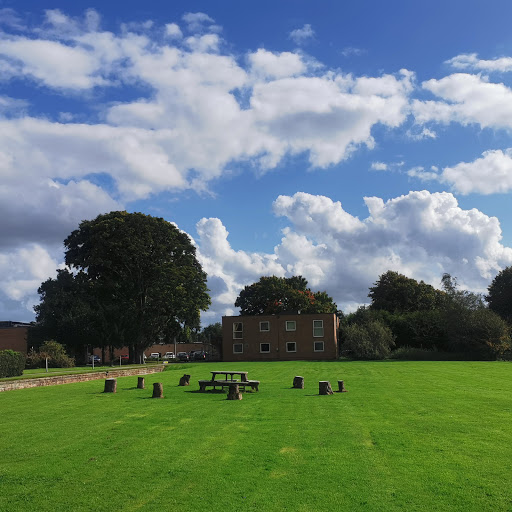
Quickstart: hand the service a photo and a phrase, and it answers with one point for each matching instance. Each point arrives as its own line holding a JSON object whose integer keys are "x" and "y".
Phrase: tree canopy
{"x": 272, "y": 295}
{"x": 499, "y": 297}
{"x": 138, "y": 275}
{"x": 396, "y": 293}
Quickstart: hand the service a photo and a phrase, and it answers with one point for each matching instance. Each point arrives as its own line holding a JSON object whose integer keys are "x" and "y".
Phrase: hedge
{"x": 12, "y": 363}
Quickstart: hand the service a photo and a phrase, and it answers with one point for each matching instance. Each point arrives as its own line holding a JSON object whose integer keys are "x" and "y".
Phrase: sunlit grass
{"x": 407, "y": 436}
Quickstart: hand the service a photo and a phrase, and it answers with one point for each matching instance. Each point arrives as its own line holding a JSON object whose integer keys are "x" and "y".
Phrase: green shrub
{"x": 11, "y": 363}
{"x": 56, "y": 354}
{"x": 370, "y": 340}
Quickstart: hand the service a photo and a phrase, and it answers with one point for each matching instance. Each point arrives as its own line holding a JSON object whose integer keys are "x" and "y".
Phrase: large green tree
{"x": 499, "y": 297}
{"x": 272, "y": 295}
{"x": 141, "y": 273}
{"x": 397, "y": 293}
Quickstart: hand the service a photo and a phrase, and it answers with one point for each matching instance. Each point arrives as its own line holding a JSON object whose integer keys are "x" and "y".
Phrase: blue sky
{"x": 331, "y": 139}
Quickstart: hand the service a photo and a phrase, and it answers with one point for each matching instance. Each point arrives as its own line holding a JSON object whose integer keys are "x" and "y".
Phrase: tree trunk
{"x": 341, "y": 387}
{"x": 185, "y": 380}
{"x": 234, "y": 392}
{"x": 140, "y": 383}
{"x": 158, "y": 390}
{"x": 110, "y": 386}
{"x": 298, "y": 382}
{"x": 325, "y": 387}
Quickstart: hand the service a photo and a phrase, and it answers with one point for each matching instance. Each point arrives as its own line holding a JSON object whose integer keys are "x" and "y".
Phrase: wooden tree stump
{"x": 324, "y": 387}
{"x": 341, "y": 387}
{"x": 185, "y": 380}
{"x": 140, "y": 383}
{"x": 158, "y": 390}
{"x": 234, "y": 392}
{"x": 298, "y": 382}
{"x": 110, "y": 386}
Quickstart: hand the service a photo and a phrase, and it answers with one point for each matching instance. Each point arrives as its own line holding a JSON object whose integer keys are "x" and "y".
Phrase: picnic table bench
{"x": 214, "y": 382}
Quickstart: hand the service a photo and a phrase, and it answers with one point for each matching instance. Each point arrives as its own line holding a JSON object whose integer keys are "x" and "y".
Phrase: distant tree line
{"x": 413, "y": 317}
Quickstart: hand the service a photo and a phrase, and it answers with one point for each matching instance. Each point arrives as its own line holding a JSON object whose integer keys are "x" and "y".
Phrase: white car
{"x": 154, "y": 355}
{"x": 169, "y": 355}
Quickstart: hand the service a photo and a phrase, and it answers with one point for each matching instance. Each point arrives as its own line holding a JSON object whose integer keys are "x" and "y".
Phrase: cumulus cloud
{"x": 302, "y": 35}
{"x": 276, "y": 65}
{"x": 466, "y": 99}
{"x": 199, "y": 21}
{"x": 22, "y": 271}
{"x": 490, "y": 174}
{"x": 472, "y": 62}
{"x": 173, "y": 30}
{"x": 420, "y": 234}
{"x": 192, "y": 123}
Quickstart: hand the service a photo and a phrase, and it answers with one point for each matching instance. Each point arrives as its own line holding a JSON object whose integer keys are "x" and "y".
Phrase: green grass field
{"x": 407, "y": 436}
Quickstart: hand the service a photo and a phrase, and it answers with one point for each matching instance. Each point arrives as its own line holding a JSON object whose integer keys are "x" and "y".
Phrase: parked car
{"x": 169, "y": 355}
{"x": 154, "y": 355}
{"x": 182, "y": 356}
{"x": 95, "y": 358}
{"x": 199, "y": 355}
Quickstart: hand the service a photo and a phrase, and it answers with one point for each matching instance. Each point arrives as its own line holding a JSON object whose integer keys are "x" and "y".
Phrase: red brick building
{"x": 13, "y": 336}
{"x": 283, "y": 337}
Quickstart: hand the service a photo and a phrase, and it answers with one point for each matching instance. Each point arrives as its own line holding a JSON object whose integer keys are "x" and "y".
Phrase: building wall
{"x": 277, "y": 337}
{"x": 14, "y": 338}
{"x": 161, "y": 349}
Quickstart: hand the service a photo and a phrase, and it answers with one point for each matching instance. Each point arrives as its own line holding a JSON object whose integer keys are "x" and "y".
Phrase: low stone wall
{"x": 82, "y": 377}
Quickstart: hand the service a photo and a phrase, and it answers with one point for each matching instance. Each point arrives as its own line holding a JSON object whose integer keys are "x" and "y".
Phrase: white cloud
{"x": 467, "y": 99}
{"x": 52, "y": 63}
{"x": 204, "y": 43}
{"x": 348, "y": 51}
{"x": 425, "y": 133}
{"x": 198, "y": 21}
{"x": 472, "y": 62}
{"x": 22, "y": 271}
{"x": 420, "y": 234}
{"x": 379, "y": 166}
{"x": 173, "y": 31}
{"x": 276, "y": 65}
{"x": 490, "y": 174}
{"x": 302, "y": 35}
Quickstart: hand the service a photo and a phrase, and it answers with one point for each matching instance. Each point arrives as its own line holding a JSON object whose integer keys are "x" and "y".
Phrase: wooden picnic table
{"x": 229, "y": 378}
{"x": 243, "y": 375}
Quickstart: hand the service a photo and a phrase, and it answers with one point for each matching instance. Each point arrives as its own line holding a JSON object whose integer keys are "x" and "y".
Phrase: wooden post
{"x": 324, "y": 387}
{"x": 185, "y": 380}
{"x": 110, "y": 386}
{"x": 140, "y": 383}
{"x": 341, "y": 387}
{"x": 298, "y": 382}
{"x": 158, "y": 390}
{"x": 234, "y": 392}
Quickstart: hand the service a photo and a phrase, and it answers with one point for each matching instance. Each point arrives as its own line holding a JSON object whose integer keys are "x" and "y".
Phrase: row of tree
{"x": 133, "y": 280}
{"x": 407, "y": 313}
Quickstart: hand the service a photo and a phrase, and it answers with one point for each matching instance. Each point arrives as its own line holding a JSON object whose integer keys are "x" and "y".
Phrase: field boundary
{"x": 80, "y": 377}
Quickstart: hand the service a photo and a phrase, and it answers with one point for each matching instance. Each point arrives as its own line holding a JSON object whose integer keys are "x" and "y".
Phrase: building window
{"x": 318, "y": 346}
{"x": 291, "y": 325}
{"x": 238, "y": 348}
{"x": 291, "y": 346}
{"x": 264, "y": 348}
{"x": 264, "y": 326}
{"x": 238, "y": 330}
{"x": 318, "y": 328}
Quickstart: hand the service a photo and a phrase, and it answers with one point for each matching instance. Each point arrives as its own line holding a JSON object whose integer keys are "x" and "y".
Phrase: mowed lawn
{"x": 407, "y": 436}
